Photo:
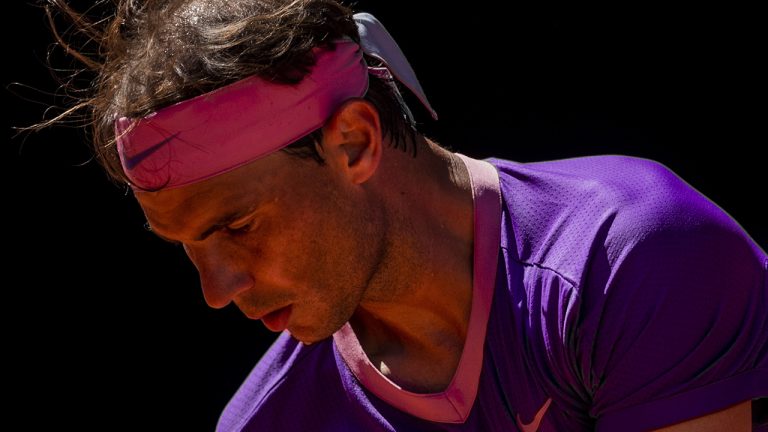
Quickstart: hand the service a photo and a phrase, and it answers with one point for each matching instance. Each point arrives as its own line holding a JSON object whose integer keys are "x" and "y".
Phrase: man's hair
{"x": 152, "y": 54}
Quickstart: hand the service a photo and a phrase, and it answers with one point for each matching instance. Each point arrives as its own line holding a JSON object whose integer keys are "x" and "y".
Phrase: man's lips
{"x": 277, "y": 321}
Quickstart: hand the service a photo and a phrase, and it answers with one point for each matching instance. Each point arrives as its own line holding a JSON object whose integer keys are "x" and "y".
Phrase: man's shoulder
{"x": 606, "y": 177}
{"x": 558, "y": 213}
{"x": 286, "y": 364}
{"x": 637, "y": 281}
{"x": 273, "y": 366}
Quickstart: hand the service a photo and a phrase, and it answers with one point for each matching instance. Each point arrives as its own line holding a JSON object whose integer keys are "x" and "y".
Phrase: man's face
{"x": 281, "y": 232}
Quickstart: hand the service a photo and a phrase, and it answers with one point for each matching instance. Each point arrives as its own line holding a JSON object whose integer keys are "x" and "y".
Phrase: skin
{"x": 374, "y": 237}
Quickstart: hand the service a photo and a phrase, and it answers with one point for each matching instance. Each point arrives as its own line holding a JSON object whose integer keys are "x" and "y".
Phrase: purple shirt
{"x": 608, "y": 295}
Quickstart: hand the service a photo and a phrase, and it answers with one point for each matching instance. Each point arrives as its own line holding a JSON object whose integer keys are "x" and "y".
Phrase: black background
{"x": 105, "y": 326}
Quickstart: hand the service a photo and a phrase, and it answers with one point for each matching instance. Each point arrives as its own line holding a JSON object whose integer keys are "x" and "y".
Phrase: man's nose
{"x": 222, "y": 278}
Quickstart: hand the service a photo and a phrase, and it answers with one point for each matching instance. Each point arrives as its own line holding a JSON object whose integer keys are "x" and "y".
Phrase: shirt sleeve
{"x": 676, "y": 325}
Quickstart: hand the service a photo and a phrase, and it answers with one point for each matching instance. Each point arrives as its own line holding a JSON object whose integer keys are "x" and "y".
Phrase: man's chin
{"x": 305, "y": 338}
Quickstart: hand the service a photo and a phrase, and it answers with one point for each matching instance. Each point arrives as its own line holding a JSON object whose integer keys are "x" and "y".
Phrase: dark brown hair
{"x": 152, "y": 54}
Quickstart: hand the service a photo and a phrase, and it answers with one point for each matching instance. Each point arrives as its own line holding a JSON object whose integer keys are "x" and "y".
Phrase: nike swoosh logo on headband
{"x": 131, "y": 162}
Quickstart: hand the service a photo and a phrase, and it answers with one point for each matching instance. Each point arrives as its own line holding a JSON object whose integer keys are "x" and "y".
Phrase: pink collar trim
{"x": 454, "y": 403}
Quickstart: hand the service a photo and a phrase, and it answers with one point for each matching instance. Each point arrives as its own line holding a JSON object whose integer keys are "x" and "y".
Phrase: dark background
{"x": 105, "y": 323}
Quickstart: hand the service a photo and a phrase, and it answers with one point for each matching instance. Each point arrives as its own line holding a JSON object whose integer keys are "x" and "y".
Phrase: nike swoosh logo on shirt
{"x": 131, "y": 162}
{"x": 533, "y": 426}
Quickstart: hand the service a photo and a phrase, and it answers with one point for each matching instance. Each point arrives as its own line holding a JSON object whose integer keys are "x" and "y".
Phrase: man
{"x": 419, "y": 289}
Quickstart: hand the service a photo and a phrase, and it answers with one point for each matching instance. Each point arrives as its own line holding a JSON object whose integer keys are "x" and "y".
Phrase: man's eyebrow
{"x": 226, "y": 220}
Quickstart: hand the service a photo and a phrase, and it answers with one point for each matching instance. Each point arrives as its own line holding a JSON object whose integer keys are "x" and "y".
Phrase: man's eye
{"x": 241, "y": 229}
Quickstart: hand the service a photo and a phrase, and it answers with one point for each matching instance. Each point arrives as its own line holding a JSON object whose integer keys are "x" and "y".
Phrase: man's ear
{"x": 352, "y": 140}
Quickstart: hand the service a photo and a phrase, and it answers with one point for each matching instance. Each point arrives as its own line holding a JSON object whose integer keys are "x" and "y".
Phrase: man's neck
{"x": 412, "y": 322}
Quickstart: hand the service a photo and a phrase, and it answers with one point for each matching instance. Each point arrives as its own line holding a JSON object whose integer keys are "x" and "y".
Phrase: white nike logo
{"x": 533, "y": 426}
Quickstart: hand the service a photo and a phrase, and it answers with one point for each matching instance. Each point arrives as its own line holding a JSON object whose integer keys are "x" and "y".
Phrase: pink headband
{"x": 236, "y": 124}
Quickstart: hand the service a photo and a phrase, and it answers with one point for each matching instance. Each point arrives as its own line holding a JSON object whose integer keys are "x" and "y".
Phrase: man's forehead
{"x": 174, "y": 201}
{"x": 170, "y": 210}
{"x": 209, "y": 200}
{"x": 246, "y": 181}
